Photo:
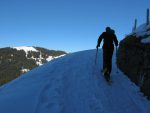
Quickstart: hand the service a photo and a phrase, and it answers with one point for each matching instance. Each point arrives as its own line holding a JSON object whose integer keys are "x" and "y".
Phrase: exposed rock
{"x": 133, "y": 58}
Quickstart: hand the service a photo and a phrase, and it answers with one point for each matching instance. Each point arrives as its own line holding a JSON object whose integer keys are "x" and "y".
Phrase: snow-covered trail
{"x": 72, "y": 84}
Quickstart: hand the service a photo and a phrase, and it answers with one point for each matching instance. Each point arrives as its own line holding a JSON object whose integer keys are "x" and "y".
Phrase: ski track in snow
{"x": 72, "y": 84}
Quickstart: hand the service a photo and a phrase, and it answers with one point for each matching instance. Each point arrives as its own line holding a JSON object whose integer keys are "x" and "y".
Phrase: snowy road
{"x": 72, "y": 84}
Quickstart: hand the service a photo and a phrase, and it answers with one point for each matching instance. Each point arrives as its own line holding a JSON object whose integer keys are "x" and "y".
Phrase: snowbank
{"x": 142, "y": 30}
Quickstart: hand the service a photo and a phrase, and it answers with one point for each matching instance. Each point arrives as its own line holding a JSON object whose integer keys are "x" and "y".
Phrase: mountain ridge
{"x": 15, "y": 61}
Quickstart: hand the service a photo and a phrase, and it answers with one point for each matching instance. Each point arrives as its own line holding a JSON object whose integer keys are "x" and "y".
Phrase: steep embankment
{"x": 134, "y": 57}
{"x": 72, "y": 84}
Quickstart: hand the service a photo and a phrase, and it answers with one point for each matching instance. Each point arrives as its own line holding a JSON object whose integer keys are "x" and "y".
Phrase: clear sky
{"x": 70, "y": 25}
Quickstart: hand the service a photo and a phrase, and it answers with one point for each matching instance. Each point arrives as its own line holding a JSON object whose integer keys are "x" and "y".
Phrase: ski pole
{"x": 116, "y": 58}
{"x": 96, "y": 56}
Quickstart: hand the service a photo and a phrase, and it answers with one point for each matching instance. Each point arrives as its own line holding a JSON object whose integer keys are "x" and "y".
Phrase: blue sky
{"x": 70, "y": 25}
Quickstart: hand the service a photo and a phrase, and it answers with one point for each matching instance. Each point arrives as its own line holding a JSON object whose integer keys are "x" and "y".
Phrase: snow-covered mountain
{"x": 29, "y": 49}
{"x": 26, "y": 48}
{"x": 72, "y": 84}
{"x": 18, "y": 60}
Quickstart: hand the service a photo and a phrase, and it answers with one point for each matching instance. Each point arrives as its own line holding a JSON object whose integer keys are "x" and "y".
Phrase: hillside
{"x": 72, "y": 84}
{"x": 18, "y": 60}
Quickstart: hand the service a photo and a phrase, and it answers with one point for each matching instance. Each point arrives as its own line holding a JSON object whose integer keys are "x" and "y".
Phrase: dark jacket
{"x": 108, "y": 38}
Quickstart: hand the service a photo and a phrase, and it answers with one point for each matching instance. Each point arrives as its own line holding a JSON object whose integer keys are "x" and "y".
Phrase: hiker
{"x": 108, "y": 38}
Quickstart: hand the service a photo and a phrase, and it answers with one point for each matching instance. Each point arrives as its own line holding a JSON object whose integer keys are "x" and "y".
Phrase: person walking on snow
{"x": 109, "y": 38}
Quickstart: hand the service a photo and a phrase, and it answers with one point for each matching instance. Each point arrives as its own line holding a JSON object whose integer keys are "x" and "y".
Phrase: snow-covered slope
{"x": 144, "y": 32}
{"x": 26, "y": 48}
{"x": 72, "y": 84}
{"x": 38, "y": 60}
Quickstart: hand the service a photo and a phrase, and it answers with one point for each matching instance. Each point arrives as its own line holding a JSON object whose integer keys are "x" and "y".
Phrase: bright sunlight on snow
{"x": 72, "y": 84}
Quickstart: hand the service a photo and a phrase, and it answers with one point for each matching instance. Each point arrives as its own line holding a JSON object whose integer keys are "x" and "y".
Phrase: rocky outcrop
{"x": 133, "y": 58}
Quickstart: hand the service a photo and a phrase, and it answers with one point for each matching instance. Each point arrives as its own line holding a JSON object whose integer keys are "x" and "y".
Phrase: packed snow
{"x": 72, "y": 84}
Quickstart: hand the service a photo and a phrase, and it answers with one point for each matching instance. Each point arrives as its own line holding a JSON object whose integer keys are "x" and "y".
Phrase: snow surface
{"x": 72, "y": 84}
{"x": 39, "y": 62}
{"x": 59, "y": 56}
{"x": 146, "y": 40}
{"x": 142, "y": 30}
{"x": 49, "y": 58}
{"x": 25, "y": 70}
{"x": 26, "y": 48}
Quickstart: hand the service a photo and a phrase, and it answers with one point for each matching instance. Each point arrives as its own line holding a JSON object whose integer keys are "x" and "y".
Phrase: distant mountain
{"x": 18, "y": 60}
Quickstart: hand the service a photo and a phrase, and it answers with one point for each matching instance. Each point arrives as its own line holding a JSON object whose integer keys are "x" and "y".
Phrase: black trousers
{"x": 107, "y": 58}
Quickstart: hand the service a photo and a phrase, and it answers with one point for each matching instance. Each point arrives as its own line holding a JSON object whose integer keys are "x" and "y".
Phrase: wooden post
{"x": 147, "y": 21}
{"x": 135, "y": 25}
